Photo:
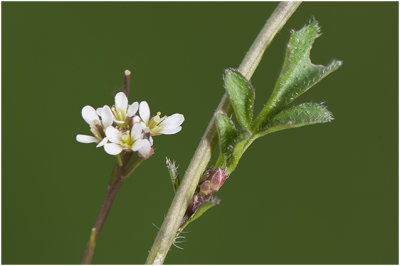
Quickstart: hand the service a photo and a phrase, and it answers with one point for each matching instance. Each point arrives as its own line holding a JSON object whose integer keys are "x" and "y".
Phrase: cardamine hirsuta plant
{"x": 126, "y": 130}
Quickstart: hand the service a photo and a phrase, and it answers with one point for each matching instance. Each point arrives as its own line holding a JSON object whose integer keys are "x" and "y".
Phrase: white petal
{"x": 172, "y": 121}
{"x": 151, "y": 141}
{"x": 145, "y": 150}
{"x": 113, "y": 134}
{"x": 107, "y": 116}
{"x": 144, "y": 127}
{"x": 167, "y": 131}
{"x": 89, "y": 114}
{"x": 132, "y": 109}
{"x": 112, "y": 148}
{"x": 138, "y": 144}
{"x": 144, "y": 111}
{"x": 121, "y": 102}
{"x": 85, "y": 138}
{"x": 136, "y": 132}
{"x": 101, "y": 143}
{"x": 99, "y": 111}
{"x": 136, "y": 119}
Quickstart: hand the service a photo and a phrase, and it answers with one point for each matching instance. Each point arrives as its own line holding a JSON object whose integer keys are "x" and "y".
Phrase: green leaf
{"x": 227, "y": 134}
{"x": 214, "y": 201}
{"x": 173, "y": 172}
{"x": 298, "y": 116}
{"x": 298, "y": 74}
{"x": 241, "y": 94}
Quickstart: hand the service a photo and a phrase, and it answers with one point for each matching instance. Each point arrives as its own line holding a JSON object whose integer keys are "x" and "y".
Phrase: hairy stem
{"x": 166, "y": 234}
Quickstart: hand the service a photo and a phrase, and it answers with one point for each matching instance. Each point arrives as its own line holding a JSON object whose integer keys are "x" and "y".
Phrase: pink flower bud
{"x": 206, "y": 175}
{"x": 205, "y": 188}
{"x": 194, "y": 204}
{"x": 218, "y": 178}
{"x": 148, "y": 155}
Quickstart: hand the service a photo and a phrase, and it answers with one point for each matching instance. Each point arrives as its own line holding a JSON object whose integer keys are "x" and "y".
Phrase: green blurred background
{"x": 320, "y": 194}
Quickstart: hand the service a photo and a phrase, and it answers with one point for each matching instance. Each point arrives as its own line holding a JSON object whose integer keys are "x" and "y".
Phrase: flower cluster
{"x": 121, "y": 128}
{"x": 209, "y": 184}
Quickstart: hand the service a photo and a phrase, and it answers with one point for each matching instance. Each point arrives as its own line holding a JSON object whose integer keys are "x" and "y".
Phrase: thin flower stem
{"x": 133, "y": 167}
{"x": 117, "y": 178}
{"x": 114, "y": 173}
{"x": 127, "y": 81}
{"x": 167, "y": 233}
{"x": 119, "y": 160}
{"x": 105, "y": 209}
{"x": 101, "y": 218}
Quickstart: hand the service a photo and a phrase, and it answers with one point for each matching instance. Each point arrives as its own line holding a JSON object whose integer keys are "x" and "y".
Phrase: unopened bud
{"x": 206, "y": 175}
{"x": 217, "y": 179}
{"x": 148, "y": 155}
{"x": 205, "y": 188}
{"x": 194, "y": 204}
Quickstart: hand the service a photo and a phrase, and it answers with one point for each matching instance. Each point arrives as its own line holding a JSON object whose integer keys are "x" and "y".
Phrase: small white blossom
{"x": 160, "y": 125}
{"x": 122, "y": 110}
{"x": 97, "y": 126}
{"x": 121, "y": 129}
{"x": 128, "y": 140}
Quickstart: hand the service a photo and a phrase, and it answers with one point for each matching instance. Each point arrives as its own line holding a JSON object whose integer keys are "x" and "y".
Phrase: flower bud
{"x": 148, "y": 155}
{"x": 194, "y": 204}
{"x": 206, "y": 175}
{"x": 205, "y": 188}
{"x": 218, "y": 178}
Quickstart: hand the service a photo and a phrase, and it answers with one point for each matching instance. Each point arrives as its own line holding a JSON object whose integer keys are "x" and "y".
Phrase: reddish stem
{"x": 105, "y": 209}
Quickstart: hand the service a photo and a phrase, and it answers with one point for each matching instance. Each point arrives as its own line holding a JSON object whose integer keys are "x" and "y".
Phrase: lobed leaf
{"x": 298, "y": 74}
{"x": 241, "y": 94}
{"x": 298, "y": 116}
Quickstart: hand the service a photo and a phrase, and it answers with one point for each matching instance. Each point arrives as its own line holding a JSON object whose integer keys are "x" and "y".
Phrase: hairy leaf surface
{"x": 298, "y": 74}
{"x": 241, "y": 94}
{"x": 298, "y": 116}
{"x": 227, "y": 134}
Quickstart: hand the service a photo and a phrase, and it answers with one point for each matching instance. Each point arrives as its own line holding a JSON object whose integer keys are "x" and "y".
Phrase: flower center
{"x": 126, "y": 140}
{"x": 97, "y": 130}
{"x": 154, "y": 123}
{"x": 118, "y": 113}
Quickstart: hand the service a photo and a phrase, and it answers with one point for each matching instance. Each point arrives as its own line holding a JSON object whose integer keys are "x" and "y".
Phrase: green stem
{"x": 166, "y": 234}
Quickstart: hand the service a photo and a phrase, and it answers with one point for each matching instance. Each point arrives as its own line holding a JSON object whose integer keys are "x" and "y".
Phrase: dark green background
{"x": 321, "y": 194}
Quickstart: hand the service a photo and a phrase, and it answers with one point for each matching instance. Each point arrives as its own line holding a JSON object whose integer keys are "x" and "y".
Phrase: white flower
{"x": 121, "y": 110}
{"x": 156, "y": 125}
{"x": 97, "y": 126}
{"x": 121, "y": 129}
{"x": 128, "y": 140}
